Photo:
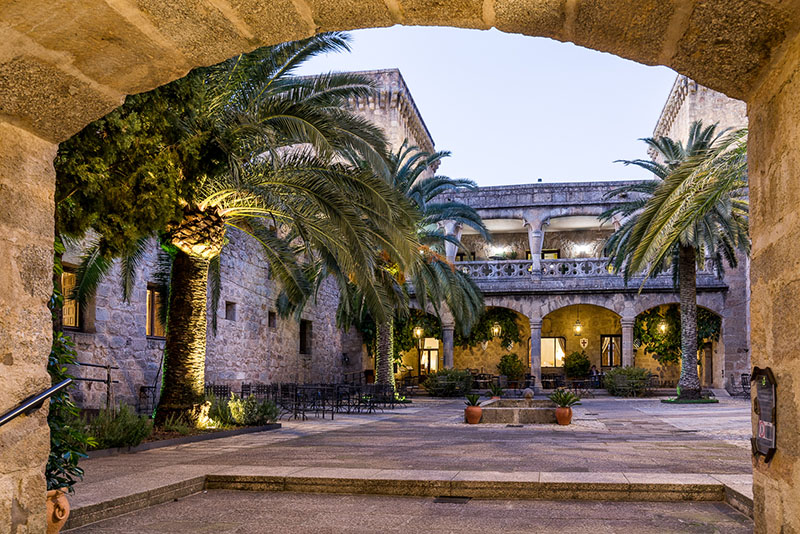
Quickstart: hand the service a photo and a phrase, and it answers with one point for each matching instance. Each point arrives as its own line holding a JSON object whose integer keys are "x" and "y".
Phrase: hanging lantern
{"x": 662, "y": 327}
{"x": 418, "y": 332}
{"x": 578, "y": 328}
{"x": 496, "y": 330}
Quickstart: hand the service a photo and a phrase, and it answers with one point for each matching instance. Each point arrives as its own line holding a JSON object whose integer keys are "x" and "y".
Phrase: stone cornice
{"x": 396, "y": 93}
{"x": 677, "y": 96}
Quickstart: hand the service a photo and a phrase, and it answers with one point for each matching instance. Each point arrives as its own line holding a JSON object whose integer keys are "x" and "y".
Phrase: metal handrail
{"x": 34, "y": 402}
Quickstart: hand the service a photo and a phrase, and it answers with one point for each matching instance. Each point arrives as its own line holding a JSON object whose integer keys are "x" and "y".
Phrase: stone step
{"x": 596, "y": 486}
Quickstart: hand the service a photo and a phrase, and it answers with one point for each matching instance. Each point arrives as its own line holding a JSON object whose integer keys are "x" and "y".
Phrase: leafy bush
{"x": 118, "y": 428}
{"x": 495, "y": 390}
{"x": 576, "y": 364}
{"x": 564, "y": 398}
{"x": 219, "y": 413}
{"x": 635, "y": 375}
{"x": 68, "y": 440}
{"x": 511, "y": 366}
{"x": 448, "y": 383}
{"x": 250, "y": 411}
{"x": 177, "y": 423}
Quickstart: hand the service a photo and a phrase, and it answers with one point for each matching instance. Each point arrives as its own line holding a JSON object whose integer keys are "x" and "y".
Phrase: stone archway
{"x": 61, "y": 68}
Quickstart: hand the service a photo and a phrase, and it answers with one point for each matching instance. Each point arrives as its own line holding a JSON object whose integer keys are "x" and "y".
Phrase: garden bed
{"x": 167, "y": 439}
{"x": 690, "y": 401}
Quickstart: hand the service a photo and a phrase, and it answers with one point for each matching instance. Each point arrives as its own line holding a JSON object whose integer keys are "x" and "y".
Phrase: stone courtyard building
{"x": 545, "y": 263}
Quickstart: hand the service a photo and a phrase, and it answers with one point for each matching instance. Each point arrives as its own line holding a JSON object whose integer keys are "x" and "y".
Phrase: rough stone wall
{"x": 689, "y": 101}
{"x": 775, "y": 280}
{"x": 394, "y": 110}
{"x": 567, "y": 241}
{"x": 27, "y": 181}
{"x": 508, "y": 242}
{"x": 246, "y": 349}
{"x": 596, "y": 322}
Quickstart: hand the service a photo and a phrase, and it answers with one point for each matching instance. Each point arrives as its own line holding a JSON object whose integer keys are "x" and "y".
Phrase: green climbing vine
{"x": 658, "y": 330}
{"x": 482, "y": 331}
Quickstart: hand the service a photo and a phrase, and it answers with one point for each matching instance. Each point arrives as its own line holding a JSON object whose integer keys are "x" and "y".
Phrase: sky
{"x": 513, "y": 109}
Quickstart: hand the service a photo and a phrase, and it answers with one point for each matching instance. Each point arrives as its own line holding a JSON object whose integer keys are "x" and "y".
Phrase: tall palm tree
{"x": 696, "y": 209}
{"x": 430, "y": 279}
{"x": 285, "y": 176}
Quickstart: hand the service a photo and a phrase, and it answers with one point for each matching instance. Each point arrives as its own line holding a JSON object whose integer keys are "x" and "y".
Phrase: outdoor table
{"x": 580, "y": 388}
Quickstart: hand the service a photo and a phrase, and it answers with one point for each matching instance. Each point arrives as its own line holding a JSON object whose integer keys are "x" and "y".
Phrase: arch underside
{"x": 62, "y": 69}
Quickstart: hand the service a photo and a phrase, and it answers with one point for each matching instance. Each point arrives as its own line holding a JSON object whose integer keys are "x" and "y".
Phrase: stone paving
{"x": 608, "y": 435}
{"x": 297, "y": 513}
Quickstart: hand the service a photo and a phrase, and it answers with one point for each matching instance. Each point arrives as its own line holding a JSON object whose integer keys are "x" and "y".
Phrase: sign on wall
{"x": 764, "y": 437}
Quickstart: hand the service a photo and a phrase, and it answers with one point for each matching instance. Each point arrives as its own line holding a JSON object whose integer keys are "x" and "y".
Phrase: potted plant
{"x": 495, "y": 391}
{"x": 473, "y": 411}
{"x": 512, "y": 368}
{"x": 564, "y": 401}
{"x": 68, "y": 440}
{"x": 576, "y": 364}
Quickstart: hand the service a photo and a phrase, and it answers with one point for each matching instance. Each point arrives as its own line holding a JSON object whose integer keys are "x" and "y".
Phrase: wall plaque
{"x": 764, "y": 405}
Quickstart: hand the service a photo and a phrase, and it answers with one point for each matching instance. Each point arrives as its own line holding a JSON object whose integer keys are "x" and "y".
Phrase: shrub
{"x": 511, "y": 366}
{"x": 219, "y": 413}
{"x": 177, "y": 423}
{"x": 576, "y": 364}
{"x": 448, "y": 383}
{"x": 635, "y": 375}
{"x": 118, "y": 428}
{"x": 250, "y": 411}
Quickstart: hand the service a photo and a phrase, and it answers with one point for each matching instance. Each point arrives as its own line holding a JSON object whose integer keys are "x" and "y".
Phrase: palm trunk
{"x": 689, "y": 383}
{"x": 383, "y": 360}
{"x": 185, "y": 350}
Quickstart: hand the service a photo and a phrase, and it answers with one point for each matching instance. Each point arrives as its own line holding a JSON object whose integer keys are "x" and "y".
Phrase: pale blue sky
{"x": 513, "y": 109}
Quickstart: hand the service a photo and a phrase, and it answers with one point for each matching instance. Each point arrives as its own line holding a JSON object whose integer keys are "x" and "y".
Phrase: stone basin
{"x": 519, "y": 411}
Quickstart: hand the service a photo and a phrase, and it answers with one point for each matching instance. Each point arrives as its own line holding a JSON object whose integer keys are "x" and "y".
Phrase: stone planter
{"x": 57, "y": 510}
{"x": 519, "y": 412}
{"x": 563, "y": 415}
{"x": 473, "y": 414}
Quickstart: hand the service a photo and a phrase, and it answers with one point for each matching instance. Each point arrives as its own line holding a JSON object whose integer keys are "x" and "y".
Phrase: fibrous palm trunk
{"x": 185, "y": 350}
{"x": 689, "y": 383}
{"x": 199, "y": 238}
{"x": 383, "y": 359}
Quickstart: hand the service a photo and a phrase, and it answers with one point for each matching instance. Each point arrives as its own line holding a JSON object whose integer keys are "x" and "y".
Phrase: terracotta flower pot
{"x": 473, "y": 414}
{"x": 563, "y": 415}
{"x": 495, "y": 398}
{"x": 57, "y": 510}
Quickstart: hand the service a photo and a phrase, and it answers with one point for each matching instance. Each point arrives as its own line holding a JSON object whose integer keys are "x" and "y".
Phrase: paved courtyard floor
{"x": 297, "y": 513}
{"x": 608, "y": 435}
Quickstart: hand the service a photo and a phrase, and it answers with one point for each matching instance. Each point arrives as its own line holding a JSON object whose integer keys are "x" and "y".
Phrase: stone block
{"x": 457, "y": 13}
{"x": 545, "y": 18}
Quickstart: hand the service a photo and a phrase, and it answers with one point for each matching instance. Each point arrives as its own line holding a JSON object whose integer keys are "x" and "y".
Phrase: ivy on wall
{"x": 665, "y": 344}
{"x": 404, "y": 330}
{"x": 482, "y": 331}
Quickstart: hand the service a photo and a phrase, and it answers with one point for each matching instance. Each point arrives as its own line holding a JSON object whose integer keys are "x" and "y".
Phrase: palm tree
{"x": 284, "y": 148}
{"x": 696, "y": 209}
{"x": 430, "y": 279}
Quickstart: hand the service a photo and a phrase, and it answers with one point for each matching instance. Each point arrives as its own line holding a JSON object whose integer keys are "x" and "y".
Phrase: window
{"x": 430, "y": 355}
{"x": 611, "y": 355}
{"x": 465, "y": 256}
{"x": 305, "y": 337}
{"x": 553, "y": 349}
{"x": 155, "y": 328}
{"x": 272, "y": 319}
{"x": 70, "y": 312}
{"x": 230, "y": 310}
{"x": 551, "y": 254}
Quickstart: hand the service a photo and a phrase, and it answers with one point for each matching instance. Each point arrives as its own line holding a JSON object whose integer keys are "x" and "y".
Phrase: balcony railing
{"x": 550, "y": 269}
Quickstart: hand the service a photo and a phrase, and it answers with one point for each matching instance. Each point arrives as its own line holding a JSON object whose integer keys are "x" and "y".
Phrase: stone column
{"x": 774, "y": 176}
{"x": 627, "y": 341}
{"x": 448, "y": 345}
{"x": 454, "y": 229}
{"x": 536, "y": 350}
{"x": 27, "y": 182}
